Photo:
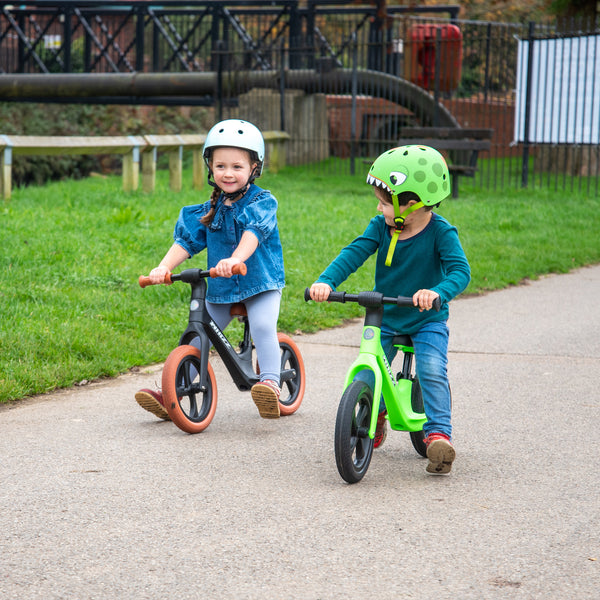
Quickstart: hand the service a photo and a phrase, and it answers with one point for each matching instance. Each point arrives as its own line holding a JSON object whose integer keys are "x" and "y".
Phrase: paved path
{"x": 100, "y": 500}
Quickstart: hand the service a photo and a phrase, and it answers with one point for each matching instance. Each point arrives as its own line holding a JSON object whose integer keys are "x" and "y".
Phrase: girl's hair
{"x": 210, "y": 215}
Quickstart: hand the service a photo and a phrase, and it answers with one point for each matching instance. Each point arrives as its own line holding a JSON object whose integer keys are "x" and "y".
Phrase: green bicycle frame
{"x": 397, "y": 393}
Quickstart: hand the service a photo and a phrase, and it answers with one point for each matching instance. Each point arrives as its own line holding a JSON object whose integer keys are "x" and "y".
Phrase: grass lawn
{"x": 71, "y": 253}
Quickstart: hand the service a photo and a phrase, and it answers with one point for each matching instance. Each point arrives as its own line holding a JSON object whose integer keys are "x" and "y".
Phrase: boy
{"x": 418, "y": 254}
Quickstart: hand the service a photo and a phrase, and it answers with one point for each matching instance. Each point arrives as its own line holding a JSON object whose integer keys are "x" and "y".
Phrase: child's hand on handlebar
{"x": 423, "y": 299}
{"x": 224, "y": 267}
{"x": 158, "y": 275}
{"x": 319, "y": 292}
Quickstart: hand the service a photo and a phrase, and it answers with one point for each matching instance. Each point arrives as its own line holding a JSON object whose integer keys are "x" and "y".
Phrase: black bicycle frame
{"x": 201, "y": 325}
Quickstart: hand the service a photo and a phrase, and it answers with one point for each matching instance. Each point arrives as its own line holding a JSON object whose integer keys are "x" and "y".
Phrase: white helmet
{"x": 235, "y": 133}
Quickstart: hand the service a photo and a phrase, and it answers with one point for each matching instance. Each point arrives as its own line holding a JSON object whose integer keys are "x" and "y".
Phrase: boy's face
{"x": 385, "y": 206}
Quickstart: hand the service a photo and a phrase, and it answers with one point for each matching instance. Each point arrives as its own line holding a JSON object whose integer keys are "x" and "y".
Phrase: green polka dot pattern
{"x": 418, "y": 169}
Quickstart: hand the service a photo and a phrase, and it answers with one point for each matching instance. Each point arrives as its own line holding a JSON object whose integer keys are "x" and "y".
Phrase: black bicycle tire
{"x": 292, "y": 391}
{"x": 175, "y": 370}
{"x": 353, "y": 446}
{"x": 417, "y": 438}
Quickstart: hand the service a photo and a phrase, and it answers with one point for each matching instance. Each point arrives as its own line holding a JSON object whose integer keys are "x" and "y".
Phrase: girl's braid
{"x": 209, "y": 216}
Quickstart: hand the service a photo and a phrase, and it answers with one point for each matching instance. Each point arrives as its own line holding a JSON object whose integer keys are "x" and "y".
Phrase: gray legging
{"x": 263, "y": 312}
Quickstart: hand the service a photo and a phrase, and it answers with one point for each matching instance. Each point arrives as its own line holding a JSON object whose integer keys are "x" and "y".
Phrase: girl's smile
{"x": 231, "y": 168}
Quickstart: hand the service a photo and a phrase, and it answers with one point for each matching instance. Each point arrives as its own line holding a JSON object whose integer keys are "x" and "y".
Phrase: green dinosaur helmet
{"x": 418, "y": 169}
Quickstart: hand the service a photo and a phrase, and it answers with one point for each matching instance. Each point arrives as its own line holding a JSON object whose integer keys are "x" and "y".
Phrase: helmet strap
{"x": 231, "y": 195}
{"x": 399, "y": 219}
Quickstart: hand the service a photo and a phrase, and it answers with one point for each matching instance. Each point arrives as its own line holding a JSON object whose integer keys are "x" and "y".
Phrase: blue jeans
{"x": 431, "y": 354}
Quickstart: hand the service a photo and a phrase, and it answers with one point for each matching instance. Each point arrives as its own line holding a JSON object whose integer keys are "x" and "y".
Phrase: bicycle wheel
{"x": 190, "y": 406}
{"x": 417, "y": 437}
{"x": 292, "y": 389}
{"x": 353, "y": 446}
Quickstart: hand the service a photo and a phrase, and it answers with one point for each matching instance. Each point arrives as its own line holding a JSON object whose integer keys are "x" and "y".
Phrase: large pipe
{"x": 142, "y": 86}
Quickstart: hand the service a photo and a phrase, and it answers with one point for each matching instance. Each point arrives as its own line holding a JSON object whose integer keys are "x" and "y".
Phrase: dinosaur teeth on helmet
{"x": 377, "y": 182}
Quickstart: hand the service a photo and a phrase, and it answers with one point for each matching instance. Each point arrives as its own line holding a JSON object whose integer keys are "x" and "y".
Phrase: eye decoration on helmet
{"x": 418, "y": 169}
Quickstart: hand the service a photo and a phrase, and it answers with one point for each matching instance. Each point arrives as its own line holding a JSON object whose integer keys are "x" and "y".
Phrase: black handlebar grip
{"x": 336, "y": 297}
{"x": 437, "y": 304}
{"x": 306, "y": 294}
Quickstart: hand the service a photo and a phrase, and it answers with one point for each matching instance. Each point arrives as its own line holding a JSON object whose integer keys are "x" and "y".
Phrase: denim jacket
{"x": 255, "y": 211}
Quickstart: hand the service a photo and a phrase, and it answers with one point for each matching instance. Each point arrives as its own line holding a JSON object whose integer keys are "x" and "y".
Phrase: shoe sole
{"x": 441, "y": 455}
{"x": 383, "y": 436}
{"x": 151, "y": 404}
{"x": 266, "y": 401}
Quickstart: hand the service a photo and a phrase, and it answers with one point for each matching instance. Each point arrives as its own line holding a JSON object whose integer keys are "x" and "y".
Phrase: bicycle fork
{"x": 397, "y": 393}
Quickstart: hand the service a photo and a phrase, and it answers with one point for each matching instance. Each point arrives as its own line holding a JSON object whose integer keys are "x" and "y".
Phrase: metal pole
{"x": 67, "y": 39}
{"x": 353, "y": 105}
{"x": 281, "y": 86}
{"x": 139, "y": 40}
{"x": 436, "y": 76}
{"x": 525, "y": 160}
{"x": 219, "y": 98}
{"x": 487, "y": 62}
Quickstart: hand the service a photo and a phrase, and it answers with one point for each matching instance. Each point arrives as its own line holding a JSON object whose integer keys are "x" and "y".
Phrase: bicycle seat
{"x": 238, "y": 309}
{"x": 402, "y": 340}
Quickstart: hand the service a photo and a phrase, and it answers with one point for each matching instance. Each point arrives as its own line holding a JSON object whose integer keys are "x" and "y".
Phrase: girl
{"x": 238, "y": 224}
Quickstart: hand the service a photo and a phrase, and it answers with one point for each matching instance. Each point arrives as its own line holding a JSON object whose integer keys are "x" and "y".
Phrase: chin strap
{"x": 242, "y": 190}
{"x": 399, "y": 222}
{"x": 233, "y": 195}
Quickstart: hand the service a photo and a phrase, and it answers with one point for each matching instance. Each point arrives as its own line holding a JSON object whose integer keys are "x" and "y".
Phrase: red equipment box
{"x": 420, "y": 56}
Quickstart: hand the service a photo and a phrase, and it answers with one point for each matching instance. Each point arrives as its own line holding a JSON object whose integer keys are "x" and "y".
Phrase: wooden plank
{"x": 448, "y": 132}
{"x": 149, "y": 171}
{"x": 167, "y": 143}
{"x": 131, "y": 170}
{"x": 51, "y": 145}
{"x": 5, "y": 180}
{"x": 130, "y": 147}
{"x": 448, "y": 144}
{"x": 276, "y": 142}
{"x": 198, "y": 169}
{"x": 176, "y": 169}
{"x": 174, "y": 145}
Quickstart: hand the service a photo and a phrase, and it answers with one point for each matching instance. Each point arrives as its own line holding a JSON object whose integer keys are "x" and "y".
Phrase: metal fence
{"x": 342, "y": 79}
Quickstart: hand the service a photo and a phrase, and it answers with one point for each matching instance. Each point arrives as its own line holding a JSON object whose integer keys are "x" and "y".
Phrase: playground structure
{"x": 343, "y": 79}
{"x": 215, "y": 55}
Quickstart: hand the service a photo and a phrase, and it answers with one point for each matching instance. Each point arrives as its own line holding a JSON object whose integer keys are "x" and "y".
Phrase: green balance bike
{"x": 359, "y": 406}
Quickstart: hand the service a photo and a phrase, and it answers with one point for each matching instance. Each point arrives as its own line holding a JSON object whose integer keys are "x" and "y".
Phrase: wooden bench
{"x": 27, "y": 145}
{"x": 460, "y": 145}
{"x": 174, "y": 145}
{"x": 131, "y": 147}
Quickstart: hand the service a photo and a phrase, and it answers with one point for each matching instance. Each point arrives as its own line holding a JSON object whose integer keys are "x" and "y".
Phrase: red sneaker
{"x": 153, "y": 402}
{"x": 440, "y": 452}
{"x": 381, "y": 429}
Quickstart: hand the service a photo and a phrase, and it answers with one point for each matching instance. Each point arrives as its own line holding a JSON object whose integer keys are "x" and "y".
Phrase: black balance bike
{"x": 189, "y": 386}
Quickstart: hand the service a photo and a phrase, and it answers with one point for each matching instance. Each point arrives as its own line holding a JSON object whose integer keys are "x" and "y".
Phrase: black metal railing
{"x": 342, "y": 79}
{"x": 81, "y": 36}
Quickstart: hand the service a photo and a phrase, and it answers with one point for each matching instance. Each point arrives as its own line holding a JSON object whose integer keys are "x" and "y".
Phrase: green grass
{"x": 71, "y": 253}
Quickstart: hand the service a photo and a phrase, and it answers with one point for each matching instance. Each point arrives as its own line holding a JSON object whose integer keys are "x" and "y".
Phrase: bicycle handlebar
{"x": 190, "y": 275}
{"x": 371, "y": 299}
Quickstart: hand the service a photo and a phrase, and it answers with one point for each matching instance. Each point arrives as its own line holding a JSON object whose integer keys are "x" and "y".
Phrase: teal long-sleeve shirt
{"x": 432, "y": 259}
